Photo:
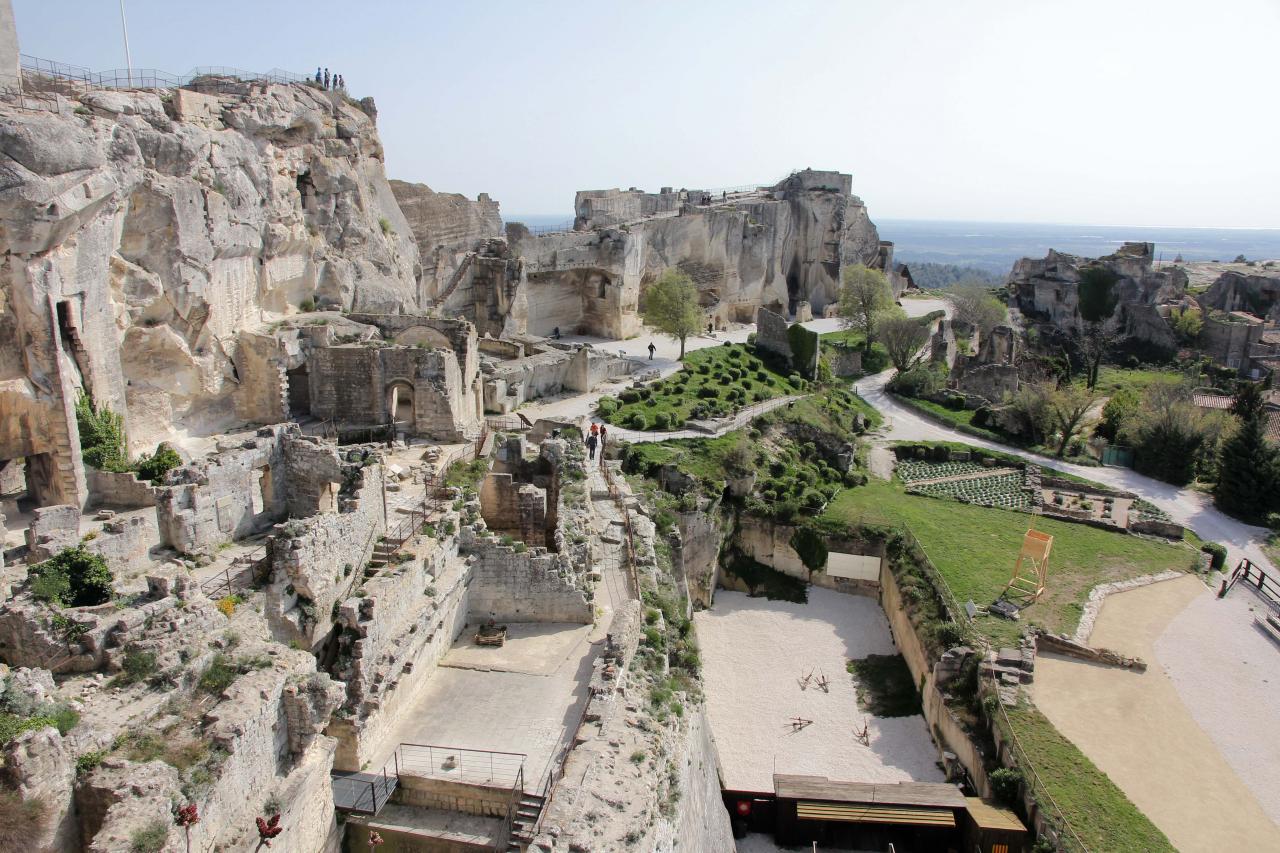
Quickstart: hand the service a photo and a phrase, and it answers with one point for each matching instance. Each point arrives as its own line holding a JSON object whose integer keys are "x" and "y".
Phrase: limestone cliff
{"x": 144, "y": 230}
{"x": 1047, "y": 289}
{"x": 447, "y": 227}
{"x": 775, "y": 246}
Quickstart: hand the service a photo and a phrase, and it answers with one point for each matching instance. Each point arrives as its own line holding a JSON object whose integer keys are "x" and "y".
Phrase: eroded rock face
{"x": 447, "y": 227}
{"x": 1047, "y": 289}
{"x": 38, "y": 766}
{"x": 143, "y": 231}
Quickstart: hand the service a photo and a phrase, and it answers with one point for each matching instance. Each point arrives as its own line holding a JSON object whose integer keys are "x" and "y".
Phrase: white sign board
{"x": 861, "y": 567}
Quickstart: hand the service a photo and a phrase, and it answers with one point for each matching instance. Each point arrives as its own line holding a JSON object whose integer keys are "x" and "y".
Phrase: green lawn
{"x": 1095, "y": 808}
{"x": 974, "y": 548}
{"x": 715, "y": 382}
{"x": 1111, "y": 379}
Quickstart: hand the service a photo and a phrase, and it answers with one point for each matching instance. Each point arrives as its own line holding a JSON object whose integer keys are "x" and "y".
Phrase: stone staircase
{"x": 455, "y": 279}
{"x": 383, "y": 552}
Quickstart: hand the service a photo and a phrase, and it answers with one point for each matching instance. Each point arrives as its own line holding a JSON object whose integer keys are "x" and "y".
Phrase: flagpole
{"x": 128, "y": 59}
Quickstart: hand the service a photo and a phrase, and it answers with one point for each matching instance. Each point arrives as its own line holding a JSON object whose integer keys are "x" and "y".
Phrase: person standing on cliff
{"x": 326, "y": 79}
{"x": 652, "y": 350}
{"x": 319, "y": 76}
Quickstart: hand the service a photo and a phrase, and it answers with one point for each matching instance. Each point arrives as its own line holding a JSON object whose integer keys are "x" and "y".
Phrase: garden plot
{"x": 756, "y": 653}
{"x": 1005, "y": 490}
{"x": 915, "y": 470}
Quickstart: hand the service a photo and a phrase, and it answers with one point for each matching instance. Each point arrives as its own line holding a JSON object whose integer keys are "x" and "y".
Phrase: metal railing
{"x": 227, "y": 583}
{"x": 508, "y": 423}
{"x": 1267, "y": 588}
{"x": 513, "y": 806}
{"x": 557, "y": 228}
{"x": 365, "y": 793}
{"x": 477, "y": 766}
{"x": 201, "y": 78}
{"x": 633, "y": 580}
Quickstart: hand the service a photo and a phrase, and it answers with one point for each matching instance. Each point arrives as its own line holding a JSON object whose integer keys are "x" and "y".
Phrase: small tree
{"x": 864, "y": 294}
{"x": 1247, "y": 475}
{"x": 72, "y": 578}
{"x": 670, "y": 305}
{"x": 903, "y": 338}
{"x": 1186, "y": 323}
{"x": 973, "y": 303}
{"x": 811, "y": 547}
{"x": 1097, "y": 306}
{"x": 1066, "y": 408}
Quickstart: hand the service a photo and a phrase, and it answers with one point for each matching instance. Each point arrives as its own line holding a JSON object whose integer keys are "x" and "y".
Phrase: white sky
{"x": 1129, "y": 112}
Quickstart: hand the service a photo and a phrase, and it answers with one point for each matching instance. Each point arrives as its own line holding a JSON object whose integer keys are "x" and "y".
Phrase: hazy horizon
{"x": 1053, "y": 112}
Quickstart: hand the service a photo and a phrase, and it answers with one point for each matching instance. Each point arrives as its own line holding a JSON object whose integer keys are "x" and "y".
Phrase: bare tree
{"x": 864, "y": 294}
{"x": 974, "y": 304}
{"x": 903, "y": 338}
{"x": 1066, "y": 408}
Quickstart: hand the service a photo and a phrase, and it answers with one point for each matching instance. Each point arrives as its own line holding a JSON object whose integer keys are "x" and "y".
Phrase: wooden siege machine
{"x": 1031, "y": 571}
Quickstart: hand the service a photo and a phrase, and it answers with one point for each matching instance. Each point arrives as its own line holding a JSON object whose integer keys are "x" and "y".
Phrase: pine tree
{"x": 1247, "y": 471}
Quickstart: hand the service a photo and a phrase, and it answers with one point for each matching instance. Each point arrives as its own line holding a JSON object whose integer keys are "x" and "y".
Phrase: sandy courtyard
{"x": 1137, "y": 729}
{"x": 754, "y": 651}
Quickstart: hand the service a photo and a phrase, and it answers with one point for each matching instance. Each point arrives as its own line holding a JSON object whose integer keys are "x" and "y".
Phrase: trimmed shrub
{"x": 1005, "y": 783}
{"x": 155, "y": 466}
{"x": 1218, "y": 552}
{"x": 638, "y": 421}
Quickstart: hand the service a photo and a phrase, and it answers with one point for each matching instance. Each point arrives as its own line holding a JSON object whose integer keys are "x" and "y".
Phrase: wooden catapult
{"x": 1031, "y": 571}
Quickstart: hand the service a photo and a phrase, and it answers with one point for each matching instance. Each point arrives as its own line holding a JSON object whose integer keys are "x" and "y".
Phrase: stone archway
{"x": 400, "y": 402}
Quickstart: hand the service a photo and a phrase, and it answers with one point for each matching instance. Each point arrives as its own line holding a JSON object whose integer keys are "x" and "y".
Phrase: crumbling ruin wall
{"x": 1236, "y": 291}
{"x": 352, "y": 385}
{"x": 314, "y": 561}
{"x": 511, "y": 507}
{"x": 230, "y": 495}
{"x": 510, "y": 585}
{"x": 142, "y": 231}
{"x": 391, "y": 639}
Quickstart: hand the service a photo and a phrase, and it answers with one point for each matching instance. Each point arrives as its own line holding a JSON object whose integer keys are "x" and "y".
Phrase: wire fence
{"x": 151, "y": 78}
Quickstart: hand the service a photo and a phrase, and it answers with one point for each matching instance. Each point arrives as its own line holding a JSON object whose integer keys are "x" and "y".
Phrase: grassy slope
{"x": 677, "y": 395}
{"x": 1097, "y": 810}
{"x": 1112, "y": 379}
{"x": 975, "y": 547}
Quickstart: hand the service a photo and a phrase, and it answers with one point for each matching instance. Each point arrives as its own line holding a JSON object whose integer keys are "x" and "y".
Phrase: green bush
{"x": 219, "y": 676}
{"x": 150, "y": 838}
{"x": 102, "y": 439}
{"x": 1218, "y": 552}
{"x": 137, "y": 666}
{"x": 639, "y": 421}
{"x": 606, "y": 406}
{"x": 630, "y": 395}
{"x": 1005, "y": 783}
{"x": 155, "y": 466}
{"x": 73, "y": 578}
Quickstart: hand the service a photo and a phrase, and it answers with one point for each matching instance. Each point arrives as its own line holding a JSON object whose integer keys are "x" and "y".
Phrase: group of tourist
{"x": 597, "y": 437}
{"x": 330, "y": 82}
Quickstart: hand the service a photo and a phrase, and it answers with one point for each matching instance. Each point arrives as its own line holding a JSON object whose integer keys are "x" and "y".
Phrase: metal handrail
{"x": 513, "y": 806}
{"x": 479, "y": 766}
{"x": 1267, "y": 587}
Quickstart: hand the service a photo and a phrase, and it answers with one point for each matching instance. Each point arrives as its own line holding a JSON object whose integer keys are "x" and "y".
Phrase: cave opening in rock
{"x": 26, "y": 483}
{"x": 306, "y": 189}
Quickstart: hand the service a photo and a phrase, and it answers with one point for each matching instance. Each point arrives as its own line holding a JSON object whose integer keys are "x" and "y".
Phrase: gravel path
{"x": 1151, "y": 737}
{"x": 1227, "y": 673}
{"x": 754, "y": 651}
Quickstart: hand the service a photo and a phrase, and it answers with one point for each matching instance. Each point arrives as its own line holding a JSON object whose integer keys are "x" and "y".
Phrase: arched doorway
{"x": 400, "y": 402}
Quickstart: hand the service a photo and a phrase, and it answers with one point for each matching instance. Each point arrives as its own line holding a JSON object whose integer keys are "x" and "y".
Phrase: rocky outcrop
{"x": 775, "y": 247}
{"x": 144, "y": 230}
{"x": 1255, "y": 294}
{"x": 447, "y": 227}
{"x": 1048, "y": 290}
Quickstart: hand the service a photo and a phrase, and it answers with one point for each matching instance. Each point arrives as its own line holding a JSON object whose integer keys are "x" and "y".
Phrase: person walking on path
{"x": 591, "y": 446}
{"x": 595, "y": 429}
{"x": 652, "y": 350}
{"x": 604, "y": 436}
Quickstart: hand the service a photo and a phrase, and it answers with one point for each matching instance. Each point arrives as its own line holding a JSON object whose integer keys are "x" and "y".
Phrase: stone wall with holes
{"x": 392, "y": 634}
{"x": 316, "y": 561}
{"x": 511, "y": 585}
{"x": 351, "y": 386}
{"x": 232, "y": 493}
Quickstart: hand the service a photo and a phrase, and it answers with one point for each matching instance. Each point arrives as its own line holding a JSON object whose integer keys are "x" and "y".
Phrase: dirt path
{"x": 1137, "y": 730}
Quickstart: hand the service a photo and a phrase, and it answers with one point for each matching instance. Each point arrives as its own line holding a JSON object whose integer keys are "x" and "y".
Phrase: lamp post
{"x": 128, "y": 60}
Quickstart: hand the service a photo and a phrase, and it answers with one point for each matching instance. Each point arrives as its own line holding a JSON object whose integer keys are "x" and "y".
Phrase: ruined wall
{"x": 1236, "y": 291}
{"x": 769, "y": 543}
{"x": 391, "y": 640}
{"x": 230, "y": 495}
{"x": 529, "y": 586}
{"x": 701, "y": 821}
{"x": 142, "y": 231}
{"x": 315, "y": 560}
{"x": 517, "y": 509}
